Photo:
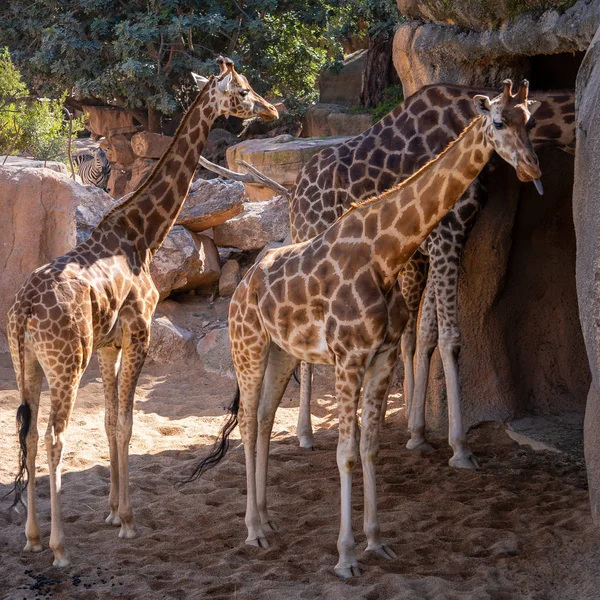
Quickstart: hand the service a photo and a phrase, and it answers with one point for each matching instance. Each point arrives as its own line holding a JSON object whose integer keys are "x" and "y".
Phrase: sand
{"x": 519, "y": 528}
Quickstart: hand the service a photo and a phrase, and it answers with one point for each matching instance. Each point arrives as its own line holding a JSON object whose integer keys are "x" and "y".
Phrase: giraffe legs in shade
{"x": 109, "y": 360}
{"x": 304, "y": 430}
{"x": 439, "y": 318}
{"x": 33, "y": 385}
{"x": 280, "y": 367}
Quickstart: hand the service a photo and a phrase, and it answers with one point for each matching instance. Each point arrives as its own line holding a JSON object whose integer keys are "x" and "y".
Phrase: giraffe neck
{"x": 398, "y": 221}
{"x": 146, "y": 216}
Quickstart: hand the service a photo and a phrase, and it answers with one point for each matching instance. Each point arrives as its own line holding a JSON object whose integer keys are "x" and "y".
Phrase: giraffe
{"x": 100, "y": 296}
{"x": 335, "y": 299}
{"x": 382, "y": 156}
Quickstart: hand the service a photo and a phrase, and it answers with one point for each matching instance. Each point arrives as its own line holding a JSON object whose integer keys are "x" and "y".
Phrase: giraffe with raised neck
{"x": 370, "y": 163}
{"x": 335, "y": 299}
{"x": 100, "y": 296}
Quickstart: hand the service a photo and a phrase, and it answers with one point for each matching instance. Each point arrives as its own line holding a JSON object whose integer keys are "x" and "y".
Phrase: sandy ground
{"x": 517, "y": 529}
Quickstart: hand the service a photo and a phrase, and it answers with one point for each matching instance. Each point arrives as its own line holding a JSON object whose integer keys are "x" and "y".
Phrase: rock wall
{"x": 586, "y": 213}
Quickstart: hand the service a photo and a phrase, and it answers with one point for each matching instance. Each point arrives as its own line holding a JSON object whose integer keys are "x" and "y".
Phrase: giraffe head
{"x": 508, "y": 120}
{"x": 234, "y": 94}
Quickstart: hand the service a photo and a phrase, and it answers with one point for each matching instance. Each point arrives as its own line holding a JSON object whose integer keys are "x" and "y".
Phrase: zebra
{"x": 94, "y": 168}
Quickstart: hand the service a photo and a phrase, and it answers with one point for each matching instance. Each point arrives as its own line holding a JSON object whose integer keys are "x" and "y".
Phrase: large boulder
{"x": 119, "y": 151}
{"x": 104, "y": 120}
{"x": 349, "y": 124}
{"x": 586, "y": 212}
{"x": 38, "y": 223}
{"x": 211, "y": 202}
{"x": 185, "y": 261}
{"x": 214, "y": 351}
{"x": 141, "y": 168}
{"x": 259, "y": 224}
{"x": 334, "y": 120}
{"x": 118, "y": 181}
{"x": 150, "y": 145}
{"x": 90, "y": 210}
{"x": 343, "y": 86}
{"x": 426, "y": 53}
{"x": 279, "y": 158}
{"x": 19, "y": 161}
{"x": 168, "y": 342}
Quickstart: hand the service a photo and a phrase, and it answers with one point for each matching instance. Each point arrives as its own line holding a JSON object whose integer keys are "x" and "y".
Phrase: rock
{"x": 316, "y": 121}
{"x": 347, "y": 124}
{"x": 105, "y": 120}
{"x": 430, "y": 53}
{"x": 586, "y": 212}
{"x": 150, "y": 145}
{"x": 211, "y": 202}
{"x": 344, "y": 86}
{"x": 141, "y": 168}
{"x": 185, "y": 261}
{"x": 38, "y": 223}
{"x": 19, "y": 161}
{"x": 259, "y": 224}
{"x": 168, "y": 343}
{"x": 119, "y": 151}
{"x": 214, "y": 350}
{"x": 90, "y": 210}
{"x": 483, "y": 14}
{"x": 118, "y": 180}
{"x": 230, "y": 278}
{"x": 279, "y": 158}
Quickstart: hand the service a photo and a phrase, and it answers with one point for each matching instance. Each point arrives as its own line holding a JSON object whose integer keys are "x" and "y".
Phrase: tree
{"x": 138, "y": 55}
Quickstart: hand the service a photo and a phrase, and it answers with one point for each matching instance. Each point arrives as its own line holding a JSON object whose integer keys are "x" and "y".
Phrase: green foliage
{"x": 139, "y": 54}
{"x": 29, "y": 125}
{"x": 392, "y": 96}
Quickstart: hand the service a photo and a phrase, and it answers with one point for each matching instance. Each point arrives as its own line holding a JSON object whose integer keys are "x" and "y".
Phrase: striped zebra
{"x": 94, "y": 168}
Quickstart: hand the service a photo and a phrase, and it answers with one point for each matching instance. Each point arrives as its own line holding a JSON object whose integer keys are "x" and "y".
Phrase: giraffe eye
{"x": 499, "y": 125}
{"x": 244, "y": 93}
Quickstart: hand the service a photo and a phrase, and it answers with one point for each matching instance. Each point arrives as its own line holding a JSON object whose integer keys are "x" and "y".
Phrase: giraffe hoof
{"x": 382, "y": 550}
{"x": 347, "y": 572}
{"x": 259, "y": 542}
{"x": 419, "y": 445}
{"x": 62, "y": 561}
{"x": 33, "y": 547}
{"x": 269, "y": 526}
{"x": 113, "y": 519}
{"x": 466, "y": 462}
{"x": 127, "y": 533}
{"x": 306, "y": 442}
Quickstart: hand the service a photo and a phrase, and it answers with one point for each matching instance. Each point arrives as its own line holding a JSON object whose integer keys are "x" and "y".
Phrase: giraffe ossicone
{"x": 100, "y": 296}
{"x": 335, "y": 299}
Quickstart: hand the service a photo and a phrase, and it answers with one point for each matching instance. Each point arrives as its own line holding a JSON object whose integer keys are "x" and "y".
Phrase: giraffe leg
{"x": 63, "y": 391}
{"x": 414, "y": 278}
{"x": 134, "y": 350}
{"x": 377, "y": 381}
{"x": 109, "y": 359}
{"x": 33, "y": 385}
{"x": 348, "y": 383}
{"x": 304, "y": 430}
{"x": 426, "y": 343}
{"x": 279, "y": 370}
{"x": 449, "y": 344}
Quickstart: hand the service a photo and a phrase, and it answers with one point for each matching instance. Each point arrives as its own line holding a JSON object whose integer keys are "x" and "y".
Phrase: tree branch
{"x": 252, "y": 176}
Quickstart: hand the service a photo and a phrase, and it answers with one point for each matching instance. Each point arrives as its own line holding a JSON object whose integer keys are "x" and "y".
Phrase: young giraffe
{"x": 391, "y": 150}
{"x": 335, "y": 299}
{"x": 100, "y": 296}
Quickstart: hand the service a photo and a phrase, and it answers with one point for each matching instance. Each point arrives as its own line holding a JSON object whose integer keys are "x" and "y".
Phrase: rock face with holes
{"x": 586, "y": 211}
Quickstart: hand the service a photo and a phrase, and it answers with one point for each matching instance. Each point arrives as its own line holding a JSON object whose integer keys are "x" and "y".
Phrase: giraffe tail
{"x": 23, "y": 417}
{"x": 221, "y": 445}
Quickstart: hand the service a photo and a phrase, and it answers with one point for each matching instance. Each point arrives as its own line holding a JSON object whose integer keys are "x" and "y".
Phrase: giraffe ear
{"x": 224, "y": 84}
{"x": 482, "y": 104}
{"x": 200, "y": 81}
{"x": 533, "y": 105}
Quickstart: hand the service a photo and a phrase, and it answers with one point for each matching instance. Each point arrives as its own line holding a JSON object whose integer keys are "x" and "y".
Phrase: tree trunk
{"x": 379, "y": 72}
{"x": 154, "y": 124}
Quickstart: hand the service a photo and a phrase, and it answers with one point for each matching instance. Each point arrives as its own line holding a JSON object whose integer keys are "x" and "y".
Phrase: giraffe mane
{"x": 373, "y": 199}
{"x": 128, "y": 200}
